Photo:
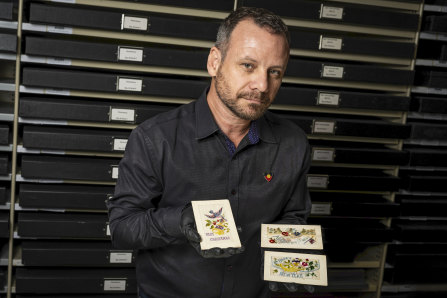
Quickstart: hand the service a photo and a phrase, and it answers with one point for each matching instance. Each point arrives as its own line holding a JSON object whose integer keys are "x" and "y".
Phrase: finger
{"x": 217, "y": 252}
{"x": 230, "y": 251}
{"x": 291, "y": 287}
{"x": 196, "y": 234}
{"x": 196, "y": 246}
{"x": 310, "y": 289}
{"x": 273, "y": 286}
{"x": 235, "y": 250}
{"x": 214, "y": 252}
{"x": 192, "y": 235}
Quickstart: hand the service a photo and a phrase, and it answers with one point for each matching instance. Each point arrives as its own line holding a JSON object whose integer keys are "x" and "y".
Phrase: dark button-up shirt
{"x": 180, "y": 156}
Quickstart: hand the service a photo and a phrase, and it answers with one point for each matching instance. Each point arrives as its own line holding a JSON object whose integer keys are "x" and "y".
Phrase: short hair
{"x": 260, "y": 16}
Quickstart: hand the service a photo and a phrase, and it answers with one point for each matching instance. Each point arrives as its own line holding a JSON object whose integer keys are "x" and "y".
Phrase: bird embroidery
{"x": 214, "y": 214}
{"x": 217, "y": 223}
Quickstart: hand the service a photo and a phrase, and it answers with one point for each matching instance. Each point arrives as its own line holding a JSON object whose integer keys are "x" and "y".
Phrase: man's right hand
{"x": 188, "y": 225}
{"x": 189, "y": 229}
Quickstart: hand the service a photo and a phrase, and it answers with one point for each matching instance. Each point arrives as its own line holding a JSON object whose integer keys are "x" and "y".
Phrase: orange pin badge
{"x": 268, "y": 177}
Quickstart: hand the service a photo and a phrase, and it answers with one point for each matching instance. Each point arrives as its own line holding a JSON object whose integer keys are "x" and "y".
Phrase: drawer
{"x": 64, "y": 196}
{"x": 70, "y": 168}
{"x": 91, "y": 110}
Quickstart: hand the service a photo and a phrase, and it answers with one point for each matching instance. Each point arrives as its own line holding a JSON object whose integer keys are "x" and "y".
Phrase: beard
{"x": 250, "y": 111}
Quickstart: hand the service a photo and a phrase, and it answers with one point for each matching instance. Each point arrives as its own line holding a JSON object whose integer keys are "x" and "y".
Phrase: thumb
{"x": 192, "y": 234}
{"x": 273, "y": 286}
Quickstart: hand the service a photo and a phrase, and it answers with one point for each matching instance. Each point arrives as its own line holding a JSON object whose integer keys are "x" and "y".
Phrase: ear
{"x": 214, "y": 59}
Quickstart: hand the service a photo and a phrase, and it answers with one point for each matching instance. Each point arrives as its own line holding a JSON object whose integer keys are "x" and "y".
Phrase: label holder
{"x": 317, "y": 181}
{"x": 119, "y": 144}
{"x": 331, "y": 12}
{"x": 332, "y": 71}
{"x": 114, "y": 171}
{"x": 118, "y": 114}
{"x": 120, "y": 257}
{"x": 323, "y": 127}
{"x": 330, "y": 43}
{"x": 321, "y": 208}
{"x": 122, "y": 84}
{"x": 135, "y": 23}
{"x": 323, "y": 154}
{"x": 328, "y": 98}
{"x": 115, "y": 284}
{"x": 130, "y": 54}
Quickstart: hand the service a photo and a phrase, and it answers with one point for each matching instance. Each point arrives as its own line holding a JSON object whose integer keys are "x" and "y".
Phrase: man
{"x": 223, "y": 146}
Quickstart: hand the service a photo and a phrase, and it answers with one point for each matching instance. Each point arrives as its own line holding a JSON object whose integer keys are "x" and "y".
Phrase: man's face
{"x": 250, "y": 75}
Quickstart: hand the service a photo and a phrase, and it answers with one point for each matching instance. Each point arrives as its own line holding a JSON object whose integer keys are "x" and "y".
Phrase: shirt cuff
{"x": 172, "y": 222}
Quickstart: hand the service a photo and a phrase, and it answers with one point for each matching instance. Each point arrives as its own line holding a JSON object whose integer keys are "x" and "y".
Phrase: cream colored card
{"x": 297, "y": 268}
{"x": 215, "y": 224}
{"x": 291, "y": 236}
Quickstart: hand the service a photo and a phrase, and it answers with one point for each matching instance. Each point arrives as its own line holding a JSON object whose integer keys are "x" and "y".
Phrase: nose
{"x": 260, "y": 81}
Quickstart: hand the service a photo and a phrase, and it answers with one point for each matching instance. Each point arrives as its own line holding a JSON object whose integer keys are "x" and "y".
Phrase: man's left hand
{"x": 291, "y": 287}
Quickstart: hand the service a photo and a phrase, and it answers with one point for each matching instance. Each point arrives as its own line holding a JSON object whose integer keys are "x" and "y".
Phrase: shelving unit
{"x": 420, "y": 227}
{"x": 8, "y": 60}
{"x": 349, "y": 86}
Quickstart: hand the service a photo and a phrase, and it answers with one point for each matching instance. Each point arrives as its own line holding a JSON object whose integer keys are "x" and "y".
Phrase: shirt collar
{"x": 206, "y": 125}
{"x": 265, "y": 129}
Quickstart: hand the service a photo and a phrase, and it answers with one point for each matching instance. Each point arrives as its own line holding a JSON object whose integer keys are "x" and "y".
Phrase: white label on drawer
{"x": 114, "y": 285}
{"x": 57, "y": 92}
{"x": 26, "y": 89}
{"x": 320, "y": 154}
{"x": 331, "y": 12}
{"x": 34, "y": 27}
{"x": 328, "y": 98}
{"x": 134, "y": 23}
{"x": 119, "y": 144}
{"x": 330, "y": 43}
{"x": 59, "y": 61}
{"x": 314, "y": 181}
{"x": 333, "y": 72}
{"x": 130, "y": 54}
{"x": 121, "y": 257}
{"x": 47, "y": 60}
{"x": 321, "y": 209}
{"x": 107, "y": 230}
{"x": 122, "y": 115}
{"x": 129, "y": 84}
{"x": 33, "y": 59}
{"x": 64, "y": 1}
{"x": 59, "y": 29}
{"x": 323, "y": 127}
{"x": 437, "y": 63}
{"x": 115, "y": 172}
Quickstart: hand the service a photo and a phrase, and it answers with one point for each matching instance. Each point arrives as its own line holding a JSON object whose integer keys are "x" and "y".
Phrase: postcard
{"x": 291, "y": 236}
{"x": 297, "y": 268}
{"x": 215, "y": 224}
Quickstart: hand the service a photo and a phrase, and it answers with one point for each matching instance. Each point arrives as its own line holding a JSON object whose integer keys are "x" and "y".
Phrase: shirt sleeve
{"x": 299, "y": 205}
{"x": 135, "y": 220}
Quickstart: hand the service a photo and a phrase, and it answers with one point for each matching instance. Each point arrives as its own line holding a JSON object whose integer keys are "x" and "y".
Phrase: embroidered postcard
{"x": 291, "y": 236}
{"x": 295, "y": 268}
{"x": 215, "y": 224}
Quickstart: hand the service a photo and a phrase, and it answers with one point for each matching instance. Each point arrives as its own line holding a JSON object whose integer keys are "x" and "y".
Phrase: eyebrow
{"x": 248, "y": 58}
{"x": 254, "y": 60}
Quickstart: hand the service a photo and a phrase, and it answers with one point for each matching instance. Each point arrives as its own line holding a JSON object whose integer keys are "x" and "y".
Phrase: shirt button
{"x": 229, "y": 268}
{"x": 233, "y": 192}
